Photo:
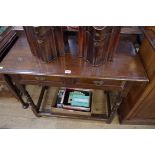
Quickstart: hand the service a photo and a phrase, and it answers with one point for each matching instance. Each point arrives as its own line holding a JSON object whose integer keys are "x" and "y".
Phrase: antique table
{"x": 20, "y": 68}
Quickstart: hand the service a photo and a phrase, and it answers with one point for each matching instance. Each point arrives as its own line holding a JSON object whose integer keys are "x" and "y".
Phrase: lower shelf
{"x": 99, "y": 108}
{"x": 48, "y": 114}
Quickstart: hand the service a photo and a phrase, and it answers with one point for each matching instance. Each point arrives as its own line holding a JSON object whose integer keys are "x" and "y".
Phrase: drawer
{"x": 70, "y": 82}
{"x": 39, "y": 78}
{"x": 101, "y": 84}
{"x": 46, "y": 80}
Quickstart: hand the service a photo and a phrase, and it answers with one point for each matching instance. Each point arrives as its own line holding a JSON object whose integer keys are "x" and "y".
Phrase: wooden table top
{"x": 125, "y": 66}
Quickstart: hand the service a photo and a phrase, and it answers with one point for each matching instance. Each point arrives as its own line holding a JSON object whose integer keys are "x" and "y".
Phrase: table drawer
{"x": 96, "y": 83}
{"x": 37, "y": 79}
{"x": 70, "y": 82}
{"x": 54, "y": 81}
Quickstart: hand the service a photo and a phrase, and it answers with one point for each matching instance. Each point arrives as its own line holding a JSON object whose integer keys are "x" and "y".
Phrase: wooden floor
{"x": 13, "y": 116}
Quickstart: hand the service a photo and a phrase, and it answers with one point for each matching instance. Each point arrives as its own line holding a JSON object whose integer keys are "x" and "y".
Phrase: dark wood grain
{"x": 126, "y": 64}
{"x": 99, "y": 43}
{"x": 7, "y": 39}
{"x": 43, "y": 42}
{"x": 139, "y": 105}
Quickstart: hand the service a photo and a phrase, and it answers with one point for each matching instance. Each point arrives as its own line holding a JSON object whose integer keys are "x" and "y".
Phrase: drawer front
{"x": 51, "y": 80}
{"x": 101, "y": 84}
{"x": 71, "y": 82}
{"x": 54, "y": 81}
{"x": 37, "y": 79}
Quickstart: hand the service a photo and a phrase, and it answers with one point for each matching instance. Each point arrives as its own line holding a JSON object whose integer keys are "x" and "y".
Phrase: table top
{"x": 125, "y": 66}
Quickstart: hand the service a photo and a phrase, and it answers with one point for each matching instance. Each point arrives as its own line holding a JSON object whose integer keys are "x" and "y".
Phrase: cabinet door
{"x": 147, "y": 107}
{"x": 147, "y": 54}
{"x": 139, "y": 106}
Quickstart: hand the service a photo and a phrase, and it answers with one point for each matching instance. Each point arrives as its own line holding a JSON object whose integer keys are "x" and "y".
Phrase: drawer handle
{"x": 40, "y": 78}
{"x": 97, "y": 35}
{"x": 40, "y": 41}
{"x": 98, "y": 83}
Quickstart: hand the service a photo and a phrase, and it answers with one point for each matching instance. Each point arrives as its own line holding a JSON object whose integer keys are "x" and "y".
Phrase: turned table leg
{"x": 34, "y": 108}
{"x": 18, "y": 90}
{"x": 114, "y": 108}
{"x": 14, "y": 90}
{"x": 118, "y": 101}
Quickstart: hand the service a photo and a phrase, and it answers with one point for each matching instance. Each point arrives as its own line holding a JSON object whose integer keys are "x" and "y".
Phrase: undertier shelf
{"x": 100, "y": 106}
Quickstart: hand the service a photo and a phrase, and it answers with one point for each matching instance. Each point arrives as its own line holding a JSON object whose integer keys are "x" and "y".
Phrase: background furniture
{"x": 7, "y": 38}
{"x": 96, "y": 44}
{"x": 20, "y": 68}
{"x": 100, "y": 43}
{"x": 46, "y": 42}
{"x": 139, "y": 106}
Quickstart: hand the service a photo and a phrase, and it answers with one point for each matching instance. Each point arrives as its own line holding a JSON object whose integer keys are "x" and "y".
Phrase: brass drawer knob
{"x": 40, "y": 41}
{"x": 97, "y": 35}
{"x": 40, "y": 78}
{"x": 98, "y": 83}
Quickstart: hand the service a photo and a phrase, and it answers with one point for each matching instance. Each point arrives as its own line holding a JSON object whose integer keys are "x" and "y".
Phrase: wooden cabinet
{"x": 46, "y": 42}
{"x": 100, "y": 43}
{"x": 139, "y": 106}
{"x": 7, "y": 39}
{"x": 96, "y": 44}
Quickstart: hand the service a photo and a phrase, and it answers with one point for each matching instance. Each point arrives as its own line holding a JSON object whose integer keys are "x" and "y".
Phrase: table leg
{"x": 34, "y": 108}
{"x": 15, "y": 90}
{"x": 115, "y": 108}
{"x": 118, "y": 101}
{"x": 18, "y": 89}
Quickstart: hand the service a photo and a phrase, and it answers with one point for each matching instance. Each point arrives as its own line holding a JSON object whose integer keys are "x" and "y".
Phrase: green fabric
{"x": 78, "y": 99}
{"x": 81, "y": 101}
